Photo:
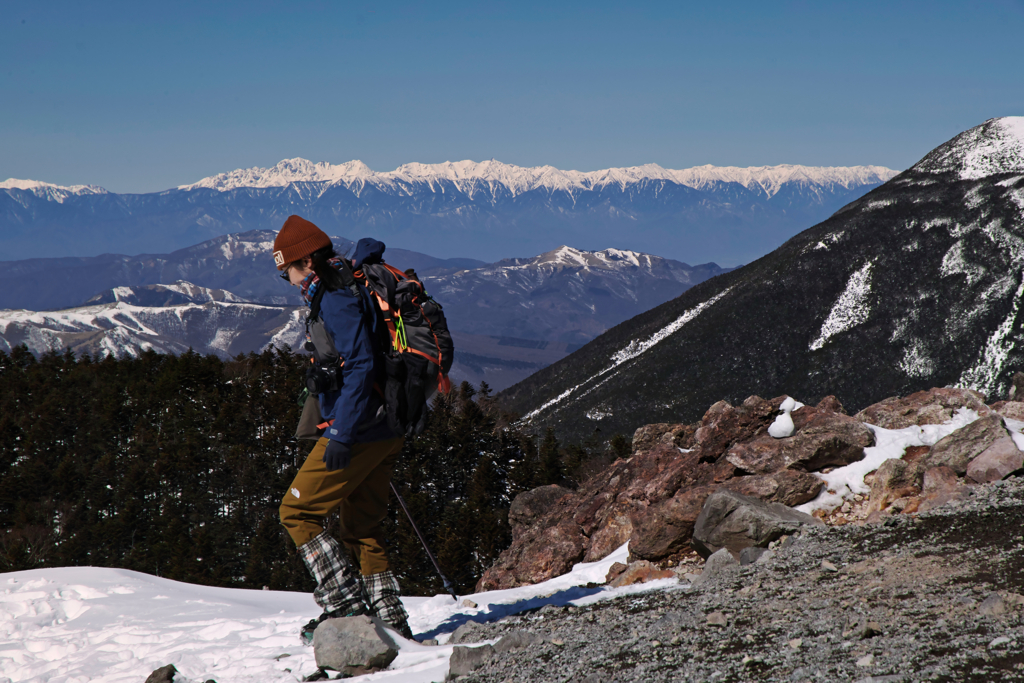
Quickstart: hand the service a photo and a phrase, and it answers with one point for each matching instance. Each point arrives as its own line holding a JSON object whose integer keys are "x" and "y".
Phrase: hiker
{"x": 350, "y": 467}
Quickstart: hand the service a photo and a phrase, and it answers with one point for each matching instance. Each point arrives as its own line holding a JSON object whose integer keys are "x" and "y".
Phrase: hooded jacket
{"x": 352, "y": 324}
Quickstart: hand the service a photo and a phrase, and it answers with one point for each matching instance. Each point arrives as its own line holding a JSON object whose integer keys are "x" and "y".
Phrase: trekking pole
{"x": 444, "y": 579}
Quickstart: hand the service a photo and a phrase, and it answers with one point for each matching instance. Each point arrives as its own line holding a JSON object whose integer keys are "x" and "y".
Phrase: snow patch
{"x": 845, "y": 482}
{"x": 851, "y": 308}
{"x": 632, "y": 350}
{"x": 984, "y": 376}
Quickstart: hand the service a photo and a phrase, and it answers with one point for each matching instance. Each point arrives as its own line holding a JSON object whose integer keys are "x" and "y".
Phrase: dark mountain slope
{"x": 916, "y": 284}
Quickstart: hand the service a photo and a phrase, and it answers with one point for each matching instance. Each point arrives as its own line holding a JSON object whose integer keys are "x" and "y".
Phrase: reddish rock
{"x": 997, "y": 462}
{"x": 915, "y": 453}
{"x": 940, "y": 486}
{"x": 831, "y": 404}
{"x": 639, "y": 572}
{"x": 667, "y": 528}
{"x": 614, "y": 571}
{"x": 724, "y": 425}
{"x": 788, "y": 487}
{"x": 530, "y": 506}
{"x": 934, "y": 406}
{"x": 894, "y": 479}
{"x": 552, "y": 553}
{"x": 616, "y": 530}
{"x": 826, "y": 439}
{"x": 1013, "y": 410}
{"x": 965, "y": 444}
{"x": 647, "y": 437}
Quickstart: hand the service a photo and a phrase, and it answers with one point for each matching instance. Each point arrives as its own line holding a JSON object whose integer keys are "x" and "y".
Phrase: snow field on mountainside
{"x": 632, "y": 350}
{"x": 101, "y": 625}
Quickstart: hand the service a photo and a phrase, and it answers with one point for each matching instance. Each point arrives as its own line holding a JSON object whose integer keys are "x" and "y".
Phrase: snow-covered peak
{"x": 769, "y": 179}
{"x": 284, "y": 173}
{"x": 996, "y": 146}
{"x": 472, "y": 176}
{"x": 606, "y": 259}
{"x": 49, "y": 190}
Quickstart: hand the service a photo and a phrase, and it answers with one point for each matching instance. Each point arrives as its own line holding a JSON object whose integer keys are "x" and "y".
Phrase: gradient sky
{"x": 141, "y": 97}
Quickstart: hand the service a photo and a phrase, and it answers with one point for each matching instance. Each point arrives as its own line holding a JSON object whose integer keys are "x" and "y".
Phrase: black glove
{"x": 337, "y": 455}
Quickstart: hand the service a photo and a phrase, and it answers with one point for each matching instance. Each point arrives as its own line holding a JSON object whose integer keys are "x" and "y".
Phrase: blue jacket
{"x": 352, "y": 323}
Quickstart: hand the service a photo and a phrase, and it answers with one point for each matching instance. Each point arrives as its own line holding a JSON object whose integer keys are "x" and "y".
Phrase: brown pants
{"x": 360, "y": 492}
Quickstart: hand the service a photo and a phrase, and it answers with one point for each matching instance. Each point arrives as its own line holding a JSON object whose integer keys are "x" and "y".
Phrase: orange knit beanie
{"x": 298, "y": 238}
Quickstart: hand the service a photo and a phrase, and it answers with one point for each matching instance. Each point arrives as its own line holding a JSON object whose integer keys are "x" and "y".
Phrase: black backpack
{"x": 414, "y": 342}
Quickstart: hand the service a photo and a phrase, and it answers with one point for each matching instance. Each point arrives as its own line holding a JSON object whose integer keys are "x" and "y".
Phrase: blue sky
{"x": 140, "y": 97}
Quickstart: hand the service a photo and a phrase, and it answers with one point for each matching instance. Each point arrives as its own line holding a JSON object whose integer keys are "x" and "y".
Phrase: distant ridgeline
{"x": 917, "y": 284}
{"x": 486, "y": 210}
{"x": 175, "y": 466}
{"x": 510, "y": 318}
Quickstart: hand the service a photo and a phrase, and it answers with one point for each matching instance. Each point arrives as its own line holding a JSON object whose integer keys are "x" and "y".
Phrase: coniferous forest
{"x": 175, "y": 466}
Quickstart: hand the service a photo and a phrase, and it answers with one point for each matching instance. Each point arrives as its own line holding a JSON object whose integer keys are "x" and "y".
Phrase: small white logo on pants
{"x": 295, "y": 492}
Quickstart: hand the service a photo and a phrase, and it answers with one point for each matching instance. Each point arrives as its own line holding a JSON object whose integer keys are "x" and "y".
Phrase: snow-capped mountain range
{"x": 484, "y": 210}
{"x": 567, "y": 295}
{"x": 917, "y": 284}
{"x": 511, "y": 318}
{"x": 499, "y": 179}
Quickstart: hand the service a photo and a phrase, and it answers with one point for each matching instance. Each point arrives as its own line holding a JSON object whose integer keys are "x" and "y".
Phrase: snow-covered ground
{"x": 78, "y": 624}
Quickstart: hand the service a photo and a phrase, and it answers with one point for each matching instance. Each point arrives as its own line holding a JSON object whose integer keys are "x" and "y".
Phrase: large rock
{"x": 996, "y": 462}
{"x": 894, "y": 479}
{"x": 666, "y": 529}
{"x": 724, "y": 424}
{"x": 1013, "y": 410}
{"x": 715, "y": 566}
{"x": 465, "y": 660}
{"x": 789, "y": 487}
{"x": 647, "y": 437}
{"x": 823, "y": 439}
{"x": 940, "y": 486}
{"x": 958, "y": 449}
{"x": 931, "y": 407}
{"x": 349, "y": 642}
{"x": 734, "y": 521}
{"x": 530, "y": 506}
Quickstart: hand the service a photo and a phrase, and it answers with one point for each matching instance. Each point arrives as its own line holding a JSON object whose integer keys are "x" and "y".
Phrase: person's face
{"x": 298, "y": 273}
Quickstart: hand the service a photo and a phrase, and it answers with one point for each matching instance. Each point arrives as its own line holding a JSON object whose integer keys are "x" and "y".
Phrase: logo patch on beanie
{"x": 278, "y": 258}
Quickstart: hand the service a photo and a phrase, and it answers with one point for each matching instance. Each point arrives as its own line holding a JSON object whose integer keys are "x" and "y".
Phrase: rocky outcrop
{"x": 931, "y": 407}
{"x": 656, "y": 498}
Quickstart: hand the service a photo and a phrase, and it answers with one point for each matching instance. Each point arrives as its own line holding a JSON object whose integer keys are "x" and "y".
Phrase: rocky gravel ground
{"x": 928, "y": 597}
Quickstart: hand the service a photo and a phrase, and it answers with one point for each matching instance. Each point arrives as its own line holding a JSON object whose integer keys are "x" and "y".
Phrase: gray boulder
{"x": 470, "y": 632}
{"x": 957, "y": 450}
{"x": 349, "y": 642}
{"x": 996, "y": 462}
{"x": 714, "y": 566}
{"x": 465, "y": 660}
{"x": 734, "y": 521}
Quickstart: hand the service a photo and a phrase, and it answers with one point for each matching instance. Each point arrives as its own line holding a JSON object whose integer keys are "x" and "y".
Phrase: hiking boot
{"x": 307, "y": 631}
